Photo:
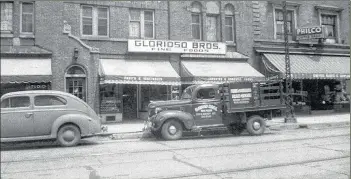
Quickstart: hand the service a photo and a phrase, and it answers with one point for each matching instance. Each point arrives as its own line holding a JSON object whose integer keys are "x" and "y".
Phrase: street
{"x": 302, "y": 153}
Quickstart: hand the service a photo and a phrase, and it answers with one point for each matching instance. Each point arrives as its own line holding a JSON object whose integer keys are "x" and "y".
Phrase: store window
{"x": 154, "y": 93}
{"x": 76, "y": 82}
{"x": 111, "y": 98}
{"x": 27, "y": 17}
{"x": 229, "y": 23}
{"x": 94, "y": 21}
{"x": 6, "y": 16}
{"x": 141, "y": 23}
{"x": 279, "y": 24}
{"x": 196, "y": 21}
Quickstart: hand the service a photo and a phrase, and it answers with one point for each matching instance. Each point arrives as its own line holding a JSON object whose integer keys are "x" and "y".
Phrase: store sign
{"x": 310, "y": 33}
{"x": 170, "y": 46}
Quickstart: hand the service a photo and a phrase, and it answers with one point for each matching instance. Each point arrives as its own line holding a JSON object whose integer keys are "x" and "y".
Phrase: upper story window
{"x": 329, "y": 17}
{"x": 279, "y": 23}
{"x": 196, "y": 21}
{"x": 6, "y": 16}
{"x": 141, "y": 23}
{"x": 94, "y": 21}
{"x": 27, "y": 17}
{"x": 229, "y": 23}
{"x": 211, "y": 27}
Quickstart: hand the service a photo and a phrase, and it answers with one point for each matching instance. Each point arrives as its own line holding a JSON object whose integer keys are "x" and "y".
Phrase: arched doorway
{"x": 75, "y": 78}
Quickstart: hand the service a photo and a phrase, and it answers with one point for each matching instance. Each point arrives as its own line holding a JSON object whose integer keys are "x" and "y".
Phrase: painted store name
{"x": 132, "y": 78}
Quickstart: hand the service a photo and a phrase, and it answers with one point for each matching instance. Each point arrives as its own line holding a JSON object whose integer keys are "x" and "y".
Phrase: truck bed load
{"x": 252, "y": 96}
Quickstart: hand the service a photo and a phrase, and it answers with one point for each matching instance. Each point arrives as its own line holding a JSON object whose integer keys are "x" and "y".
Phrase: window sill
{"x": 231, "y": 44}
{"x": 27, "y": 36}
{"x": 7, "y": 34}
{"x": 102, "y": 39}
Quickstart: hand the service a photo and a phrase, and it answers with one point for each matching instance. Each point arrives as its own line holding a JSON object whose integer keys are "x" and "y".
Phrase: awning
{"x": 228, "y": 55}
{"x": 310, "y": 66}
{"x": 28, "y": 70}
{"x": 214, "y": 71}
{"x": 121, "y": 71}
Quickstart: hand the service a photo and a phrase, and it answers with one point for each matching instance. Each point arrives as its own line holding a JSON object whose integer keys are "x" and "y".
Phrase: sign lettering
{"x": 310, "y": 32}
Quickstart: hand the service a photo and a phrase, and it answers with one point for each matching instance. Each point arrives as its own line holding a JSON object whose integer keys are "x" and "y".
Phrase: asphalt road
{"x": 303, "y": 153}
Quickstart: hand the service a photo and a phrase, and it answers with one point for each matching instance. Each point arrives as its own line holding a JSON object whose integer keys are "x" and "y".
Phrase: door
{"x": 16, "y": 117}
{"x": 46, "y": 109}
{"x": 130, "y": 102}
{"x": 207, "y": 107}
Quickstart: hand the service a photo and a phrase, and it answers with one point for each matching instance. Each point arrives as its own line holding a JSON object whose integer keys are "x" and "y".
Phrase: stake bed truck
{"x": 233, "y": 106}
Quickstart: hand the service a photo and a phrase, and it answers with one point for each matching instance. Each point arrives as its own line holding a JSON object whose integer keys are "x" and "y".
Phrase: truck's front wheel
{"x": 256, "y": 125}
{"x": 172, "y": 130}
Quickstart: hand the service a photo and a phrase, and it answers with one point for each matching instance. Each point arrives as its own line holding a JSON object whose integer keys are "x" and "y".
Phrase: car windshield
{"x": 187, "y": 92}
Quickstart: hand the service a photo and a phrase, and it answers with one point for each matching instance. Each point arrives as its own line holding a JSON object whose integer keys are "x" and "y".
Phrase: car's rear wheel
{"x": 68, "y": 135}
{"x": 172, "y": 130}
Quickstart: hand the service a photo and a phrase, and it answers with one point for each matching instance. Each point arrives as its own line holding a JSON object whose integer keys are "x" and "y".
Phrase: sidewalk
{"x": 135, "y": 129}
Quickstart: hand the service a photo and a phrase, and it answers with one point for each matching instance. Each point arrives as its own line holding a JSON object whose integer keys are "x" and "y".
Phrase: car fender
{"x": 186, "y": 118}
{"x": 82, "y": 121}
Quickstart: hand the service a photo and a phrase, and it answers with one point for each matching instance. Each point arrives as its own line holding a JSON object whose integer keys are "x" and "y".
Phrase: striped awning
{"x": 25, "y": 70}
{"x": 310, "y": 66}
{"x": 122, "y": 71}
{"x": 214, "y": 71}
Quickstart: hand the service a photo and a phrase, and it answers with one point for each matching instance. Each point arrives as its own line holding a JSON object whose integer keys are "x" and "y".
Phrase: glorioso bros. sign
{"x": 170, "y": 46}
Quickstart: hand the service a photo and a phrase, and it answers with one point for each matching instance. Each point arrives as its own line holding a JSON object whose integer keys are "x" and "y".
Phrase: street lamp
{"x": 289, "y": 113}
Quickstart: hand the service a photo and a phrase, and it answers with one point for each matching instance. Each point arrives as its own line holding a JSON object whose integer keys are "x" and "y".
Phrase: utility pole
{"x": 289, "y": 113}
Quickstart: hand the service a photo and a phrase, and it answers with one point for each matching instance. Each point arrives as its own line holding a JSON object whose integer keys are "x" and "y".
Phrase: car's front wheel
{"x": 172, "y": 130}
{"x": 68, "y": 135}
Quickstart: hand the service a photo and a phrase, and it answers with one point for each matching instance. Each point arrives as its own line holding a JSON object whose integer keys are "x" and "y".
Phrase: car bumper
{"x": 149, "y": 125}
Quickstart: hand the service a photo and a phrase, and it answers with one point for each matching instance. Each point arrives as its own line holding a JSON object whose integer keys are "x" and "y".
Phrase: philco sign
{"x": 168, "y": 46}
{"x": 310, "y": 33}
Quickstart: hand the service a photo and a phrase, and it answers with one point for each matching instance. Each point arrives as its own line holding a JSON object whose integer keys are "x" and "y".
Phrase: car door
{"x": 16, "y": 117}
{"x": 46, "y": 109}
{"x": 207, "y": 107}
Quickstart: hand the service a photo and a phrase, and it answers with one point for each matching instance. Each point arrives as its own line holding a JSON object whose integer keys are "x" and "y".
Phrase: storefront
{"x": 25, "y": 73}
{"x": 319, "y": 81}
{"x": 127, "y": 86}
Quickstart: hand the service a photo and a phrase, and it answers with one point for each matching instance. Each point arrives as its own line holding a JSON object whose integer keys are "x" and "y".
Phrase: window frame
{"x": 225, "y": 27}
{"x": 207, "y": 99}
{"x": 85, "y": 76}
{"x": 200, "y": 25}
{"x": 61, "y": 99}
{"x": 337, "y": 18}
{"x": 21, "y": 20}
{"x": 95, "y": 21}
{"x": 294, "y": 20}
{"x": 12, "y": 14}
{"x": 142, "y": 23}
{"x": 217, "y": 26}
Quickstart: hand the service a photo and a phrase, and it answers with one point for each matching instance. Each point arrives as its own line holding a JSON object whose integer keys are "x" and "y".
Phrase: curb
{"x": 276, "y": 127}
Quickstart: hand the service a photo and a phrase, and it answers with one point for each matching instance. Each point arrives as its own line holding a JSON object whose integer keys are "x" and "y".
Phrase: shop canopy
{"x": 121, "y": 71}
{"x": 310, "y": 66}
{"x": 25, "y": 70}
{"x": 218, "y": 71}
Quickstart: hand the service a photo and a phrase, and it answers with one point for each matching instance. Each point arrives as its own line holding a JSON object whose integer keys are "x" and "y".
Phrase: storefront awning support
{"x": 290, "y": 109}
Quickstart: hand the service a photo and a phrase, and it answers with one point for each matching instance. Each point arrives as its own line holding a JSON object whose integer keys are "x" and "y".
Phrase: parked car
{"x": 47, "y": 114}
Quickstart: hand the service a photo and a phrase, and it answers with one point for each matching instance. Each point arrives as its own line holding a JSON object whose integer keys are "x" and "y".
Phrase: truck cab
{"x": 210, "y": 106}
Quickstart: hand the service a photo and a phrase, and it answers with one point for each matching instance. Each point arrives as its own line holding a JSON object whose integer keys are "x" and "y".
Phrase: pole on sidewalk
{"x": 289, "y": 113}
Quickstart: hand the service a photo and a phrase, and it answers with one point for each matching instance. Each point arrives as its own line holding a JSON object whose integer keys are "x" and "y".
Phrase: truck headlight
{"x": 157, "y": 110}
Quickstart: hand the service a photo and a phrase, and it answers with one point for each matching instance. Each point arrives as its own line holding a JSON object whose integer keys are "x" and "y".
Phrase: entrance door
{"x": 207, "y": 107}
{"x": 16, "y": 117}
{"x": 130, "y": 102}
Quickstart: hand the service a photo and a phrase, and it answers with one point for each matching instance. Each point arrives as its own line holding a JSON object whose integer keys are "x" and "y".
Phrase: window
{"x": 229, "y": 23}
{"x": 141, "y": 23}
{"x": 16, "y": 102}
{"x": 6, "y": 16}
{"x": 196, "y": 21}
{"x": 27, "y": 17}
{"x": 279, "y": 24}
{"x": 206, "y": 93}
{"x": 95, "y": 21}
{"x": 47, "y": 100}
{"x": 211, "y": 28}
{"x": 76, "y": 82}
{"x": 329, "y": 21}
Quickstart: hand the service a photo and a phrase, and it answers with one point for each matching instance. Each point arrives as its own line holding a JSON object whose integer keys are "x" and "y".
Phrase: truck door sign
{"x": 206, "y": 111}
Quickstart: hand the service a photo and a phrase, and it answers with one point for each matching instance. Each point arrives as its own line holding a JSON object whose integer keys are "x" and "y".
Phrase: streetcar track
{"x": 175, "y": 149}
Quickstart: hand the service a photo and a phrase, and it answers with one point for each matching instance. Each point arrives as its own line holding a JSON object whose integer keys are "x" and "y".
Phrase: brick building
{"x": 120, "y": 55}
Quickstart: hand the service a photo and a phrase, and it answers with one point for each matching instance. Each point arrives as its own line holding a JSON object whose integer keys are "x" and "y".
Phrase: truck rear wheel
{"x": 172, "y": 130}
{"x": 256, "y": 125}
